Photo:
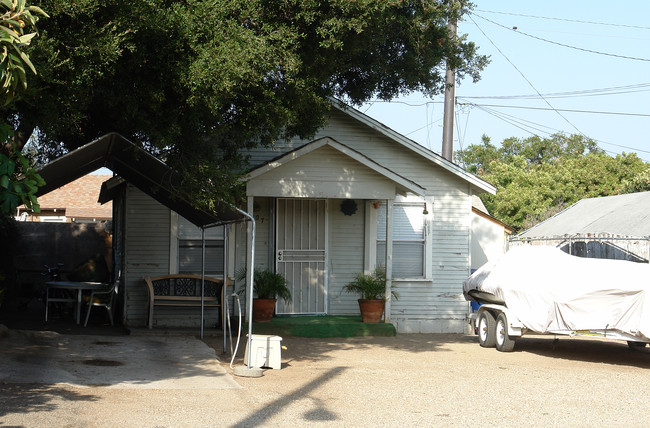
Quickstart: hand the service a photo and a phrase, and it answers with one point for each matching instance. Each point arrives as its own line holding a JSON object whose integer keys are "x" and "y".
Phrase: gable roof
{"x": 138, "y": 167}
{"x": 627, "y": 215}
{"x": 481, "y": 185}
{"x": 285, "y": 158}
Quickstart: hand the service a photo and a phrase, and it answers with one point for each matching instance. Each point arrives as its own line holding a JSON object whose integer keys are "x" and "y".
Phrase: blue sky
{"x": 603, "y": 81}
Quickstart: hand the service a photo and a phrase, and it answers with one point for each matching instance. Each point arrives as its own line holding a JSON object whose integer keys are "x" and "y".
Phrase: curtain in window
{"x": 408, "y": 239}
{"x": 189, "y": 248}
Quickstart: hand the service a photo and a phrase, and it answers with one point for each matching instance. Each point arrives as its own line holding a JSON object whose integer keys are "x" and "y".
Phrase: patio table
{"x": 79, "y": 287}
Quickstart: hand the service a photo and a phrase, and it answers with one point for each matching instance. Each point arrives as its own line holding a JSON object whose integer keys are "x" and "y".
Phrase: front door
{"x": 301, "y": 254}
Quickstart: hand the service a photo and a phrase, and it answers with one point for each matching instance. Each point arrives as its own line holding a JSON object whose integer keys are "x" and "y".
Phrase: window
{"x": 409, "y": 238}
{"x": 189, "y": 248}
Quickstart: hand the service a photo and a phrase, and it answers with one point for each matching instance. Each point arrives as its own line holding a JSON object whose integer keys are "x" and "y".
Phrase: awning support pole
{"x": 202, "y": 277}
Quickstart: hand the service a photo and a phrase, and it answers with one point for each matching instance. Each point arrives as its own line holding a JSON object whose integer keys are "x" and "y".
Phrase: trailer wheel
{"x": 504, "y": 342}
{"x": 635, "y": 346}
{"x": 486, "y": 330}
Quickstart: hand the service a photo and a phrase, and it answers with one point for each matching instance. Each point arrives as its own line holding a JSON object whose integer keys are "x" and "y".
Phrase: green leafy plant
{"x": 19, "y": 180}
{"x": 370, "y": 286}
{"x": 15, "y": 17}
{"x": 266, "y": 284}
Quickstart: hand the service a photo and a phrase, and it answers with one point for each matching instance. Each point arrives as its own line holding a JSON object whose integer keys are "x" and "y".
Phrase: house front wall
{"x": 433, "y": 304}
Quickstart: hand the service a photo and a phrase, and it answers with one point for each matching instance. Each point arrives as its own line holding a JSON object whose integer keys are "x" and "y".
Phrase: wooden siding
{"x": 147, "y": 240}
{"x": 323, "y": 173}
{"x": 146, "y": 250}
{"x": 264, "y": 256}
{"x": 434, "y": 305}
{"x": 346, "y": 239}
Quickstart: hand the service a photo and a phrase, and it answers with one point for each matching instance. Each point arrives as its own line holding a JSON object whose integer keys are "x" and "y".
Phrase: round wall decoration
{"x": 348, "y": 207}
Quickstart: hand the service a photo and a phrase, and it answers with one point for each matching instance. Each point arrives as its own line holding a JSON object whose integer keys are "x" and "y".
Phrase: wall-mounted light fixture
{"x": 425, "y": 211}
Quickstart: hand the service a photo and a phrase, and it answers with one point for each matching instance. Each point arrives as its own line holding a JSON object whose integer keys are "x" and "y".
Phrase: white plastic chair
{"x": 105, "y": 298}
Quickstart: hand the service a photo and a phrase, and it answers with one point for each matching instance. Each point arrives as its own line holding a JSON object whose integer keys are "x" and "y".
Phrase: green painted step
{"x": 321, "y": 326}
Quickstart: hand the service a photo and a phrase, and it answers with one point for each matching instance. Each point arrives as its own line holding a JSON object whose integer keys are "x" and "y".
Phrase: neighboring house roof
{"x": 403, "y": 183}
{"x": 79, "y": 198}
{"x": 627, "y": 215}
{"x": 482, "y": 185}
{"x": 138, "y": 167}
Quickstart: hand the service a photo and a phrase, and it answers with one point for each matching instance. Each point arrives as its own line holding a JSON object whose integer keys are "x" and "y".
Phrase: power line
{"x": 634, "y": 58}
{"x": 521, "y": 124}
{"x": 616, "y": 90}
{"x": 525, "y": 78}
{"x": 564, "y": 110}
{"x": 566, "y": 19}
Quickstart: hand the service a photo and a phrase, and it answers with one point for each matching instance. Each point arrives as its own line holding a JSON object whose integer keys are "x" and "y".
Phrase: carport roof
{"x": 627, "y": 215}
{"x": 138, "y": 167}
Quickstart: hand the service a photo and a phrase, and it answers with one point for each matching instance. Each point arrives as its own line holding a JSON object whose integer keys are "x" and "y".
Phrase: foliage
{"x": 267, "y": 284}
{"x": 538, "y": 177}
{"x": 16, "y": 17}
{"x": 197, "y": 81}
{"x": 370, "y": 286}
{"x": 18, "y": 178}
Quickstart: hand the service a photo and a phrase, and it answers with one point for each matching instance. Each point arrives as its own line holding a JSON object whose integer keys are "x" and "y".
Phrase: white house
{"x": 356, "y": 195}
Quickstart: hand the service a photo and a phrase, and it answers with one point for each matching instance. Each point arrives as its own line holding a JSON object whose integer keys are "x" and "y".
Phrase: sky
{"x": 585, "y": 66}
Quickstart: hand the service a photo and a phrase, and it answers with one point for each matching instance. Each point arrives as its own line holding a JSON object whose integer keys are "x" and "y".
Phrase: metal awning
{"x": 135, "y": 165}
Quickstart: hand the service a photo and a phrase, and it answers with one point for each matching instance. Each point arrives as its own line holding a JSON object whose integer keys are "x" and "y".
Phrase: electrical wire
{"x": 565, "y": 19}
{"x": 525, "y": 78}
{"x": 572, "y": 94}
{"x": 634, "y": 58}
{"x": 614, "y": 113}
{"x": 522, "y": 125}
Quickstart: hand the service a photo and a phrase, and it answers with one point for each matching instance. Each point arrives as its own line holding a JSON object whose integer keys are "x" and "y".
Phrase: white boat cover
{"x": 551, "y": 291}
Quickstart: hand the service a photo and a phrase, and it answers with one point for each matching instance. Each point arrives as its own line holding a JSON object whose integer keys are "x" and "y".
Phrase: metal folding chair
{"x": 104, "y": 298}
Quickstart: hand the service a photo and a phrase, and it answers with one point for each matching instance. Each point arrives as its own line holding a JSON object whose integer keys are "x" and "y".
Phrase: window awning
{"x": 136, "y": 166}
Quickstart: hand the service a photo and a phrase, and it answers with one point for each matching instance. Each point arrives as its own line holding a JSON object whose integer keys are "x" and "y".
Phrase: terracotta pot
{"x": 263, "y": 309}
{"x": 371, "y": 310}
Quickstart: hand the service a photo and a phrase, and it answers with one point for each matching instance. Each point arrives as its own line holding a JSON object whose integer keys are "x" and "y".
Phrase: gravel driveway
{"x": 408, "y": 380}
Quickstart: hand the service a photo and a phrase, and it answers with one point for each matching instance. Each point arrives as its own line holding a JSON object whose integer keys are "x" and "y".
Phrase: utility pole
{"x": 450, "y": 99}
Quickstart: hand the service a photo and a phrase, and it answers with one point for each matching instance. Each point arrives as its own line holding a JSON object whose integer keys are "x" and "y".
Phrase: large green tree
{"x": 196, "y": 81}
{"x": 18, "y": 179}
{"x": 537, "y": 177}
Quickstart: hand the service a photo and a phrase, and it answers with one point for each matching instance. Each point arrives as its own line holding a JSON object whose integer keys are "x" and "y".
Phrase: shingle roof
{"x": 627, "y": 215}
{"x": 79, "y": 198}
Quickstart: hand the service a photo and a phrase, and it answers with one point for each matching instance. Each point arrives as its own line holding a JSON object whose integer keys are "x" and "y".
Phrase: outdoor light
{"x": 425, "y": 212}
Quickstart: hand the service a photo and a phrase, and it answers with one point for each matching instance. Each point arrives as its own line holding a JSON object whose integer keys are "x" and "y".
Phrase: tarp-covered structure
{"x": 135, "y": 165}
{"x": 550, "y": 291}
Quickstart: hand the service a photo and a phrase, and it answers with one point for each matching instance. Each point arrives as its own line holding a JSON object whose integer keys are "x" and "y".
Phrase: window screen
{"x": 189, "y": 248}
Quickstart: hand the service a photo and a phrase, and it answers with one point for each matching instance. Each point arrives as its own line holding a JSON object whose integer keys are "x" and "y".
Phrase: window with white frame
{"x": 409, "y": 238}
{"x": 190, "y": 248}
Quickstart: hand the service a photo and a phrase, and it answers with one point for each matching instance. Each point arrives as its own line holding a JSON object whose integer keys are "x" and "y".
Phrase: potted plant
{"x": 371, "y": 287}
{"x": 267, "y": 287}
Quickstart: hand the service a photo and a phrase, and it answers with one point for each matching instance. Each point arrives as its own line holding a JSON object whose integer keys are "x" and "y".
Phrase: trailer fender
{"x": 515, "y": 327}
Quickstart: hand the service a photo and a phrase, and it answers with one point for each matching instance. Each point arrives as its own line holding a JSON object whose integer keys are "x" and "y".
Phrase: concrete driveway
{"x": 126, "y": 362}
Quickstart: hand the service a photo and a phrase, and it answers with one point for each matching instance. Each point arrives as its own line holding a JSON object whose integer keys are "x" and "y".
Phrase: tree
{"x": 197, "y": 81}
{"x": 18, "y": 179}
{"x": 538, "y": 177}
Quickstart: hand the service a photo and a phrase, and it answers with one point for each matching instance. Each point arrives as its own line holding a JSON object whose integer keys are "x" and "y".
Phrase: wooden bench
{"x": 183, "y": 290}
